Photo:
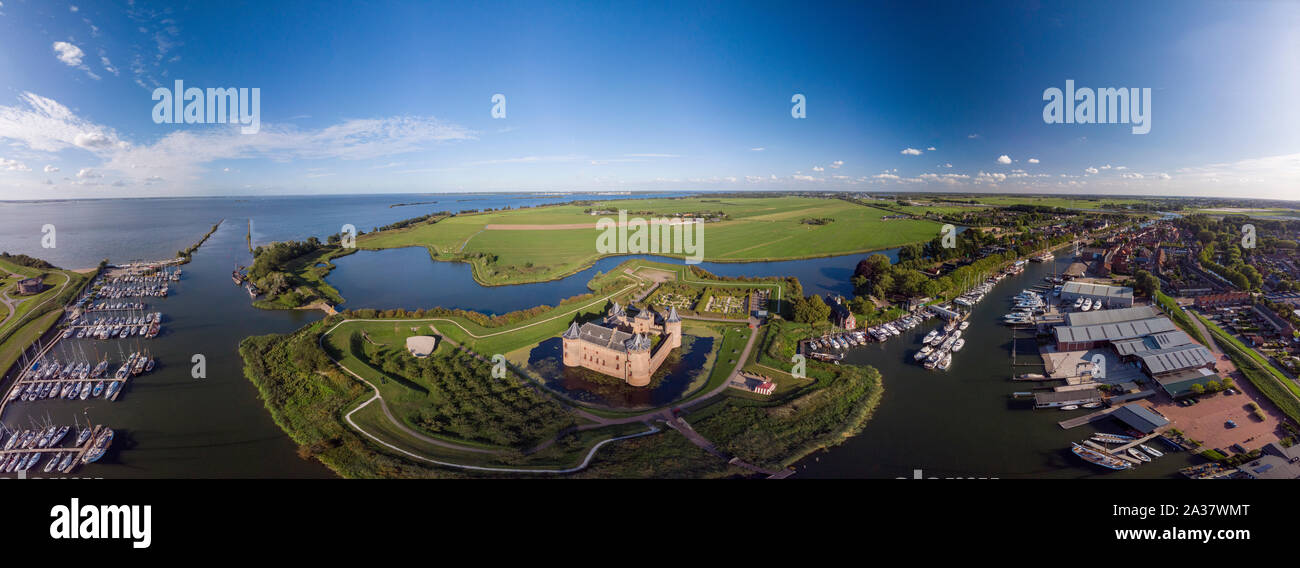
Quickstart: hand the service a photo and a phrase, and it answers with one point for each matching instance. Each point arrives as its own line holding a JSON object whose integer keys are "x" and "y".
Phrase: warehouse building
{"x": 1109, "y": 296}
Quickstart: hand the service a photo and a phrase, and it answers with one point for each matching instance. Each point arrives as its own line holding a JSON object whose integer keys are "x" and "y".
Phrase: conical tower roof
{"x": 572, "y": 333}
{"x": 672, "y": 315}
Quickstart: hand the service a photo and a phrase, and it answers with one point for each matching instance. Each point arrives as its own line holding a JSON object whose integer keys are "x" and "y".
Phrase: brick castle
{"x": 621, "y": 345}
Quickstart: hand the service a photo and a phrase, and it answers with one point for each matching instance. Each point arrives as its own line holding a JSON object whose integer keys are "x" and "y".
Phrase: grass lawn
{"x": 762, "y": 228}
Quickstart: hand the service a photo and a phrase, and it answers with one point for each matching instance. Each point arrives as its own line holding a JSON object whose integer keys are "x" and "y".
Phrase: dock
{"x": 1081, "y": 420}
{"x": 79, "y": 451}
{"x": 1102, "y": 449}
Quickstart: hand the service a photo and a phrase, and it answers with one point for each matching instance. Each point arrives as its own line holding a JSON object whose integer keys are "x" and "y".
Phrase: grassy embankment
{"x": 1283, "y": 392}
{"x": 756, "y": 229}
{"x": 1180, "y": 316}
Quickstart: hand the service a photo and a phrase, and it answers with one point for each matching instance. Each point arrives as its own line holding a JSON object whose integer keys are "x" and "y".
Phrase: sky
{"x": 393, "y": 97}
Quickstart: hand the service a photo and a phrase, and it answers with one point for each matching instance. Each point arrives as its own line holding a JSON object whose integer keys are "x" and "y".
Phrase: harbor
{"x": 69, "y": 364}
{"x": 965, "y": 422}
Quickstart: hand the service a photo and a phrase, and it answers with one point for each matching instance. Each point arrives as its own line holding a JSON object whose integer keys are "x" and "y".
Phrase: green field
{"x": 762, "y": 228}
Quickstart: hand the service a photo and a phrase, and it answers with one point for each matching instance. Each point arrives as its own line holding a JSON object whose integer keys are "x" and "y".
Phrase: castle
{"x": 621, "y": 346}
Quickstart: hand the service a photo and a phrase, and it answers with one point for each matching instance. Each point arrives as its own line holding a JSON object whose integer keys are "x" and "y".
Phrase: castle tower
{"x": 638, "y": 360}
{"x": 673, "y": 328}
{"x": 643, "y": 321}
{"x": 572, "y": 347}
{"x": 617, "y": 315}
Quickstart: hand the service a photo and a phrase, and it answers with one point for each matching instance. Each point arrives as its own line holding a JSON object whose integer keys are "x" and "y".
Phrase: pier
{"x": 79, "y": 451}
{"x": 1081, "y": 420}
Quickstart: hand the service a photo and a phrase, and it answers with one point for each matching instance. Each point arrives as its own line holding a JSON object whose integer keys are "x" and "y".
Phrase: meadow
{"x": 754, "y": 229}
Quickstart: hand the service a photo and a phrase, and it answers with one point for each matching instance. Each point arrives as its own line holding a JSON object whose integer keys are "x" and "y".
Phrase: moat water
{"x": 961, "y": 423}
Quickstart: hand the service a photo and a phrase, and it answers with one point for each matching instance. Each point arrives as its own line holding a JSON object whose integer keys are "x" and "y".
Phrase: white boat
{"x": 963, "y": 326}
{"x": 945, "y": 362}
{"x": 956, "y": 346}
{"x": 923, "y": 353}
{"x": 1092, "y": 405}
{"x": 1087, "y": 304}
{"x": 1150, "y": 450}
{"x": 930, "y": 336}
{"x": 1139, "y": 455}
{"x": 1078, "y": 303}
{"x": 1070, "y": 407}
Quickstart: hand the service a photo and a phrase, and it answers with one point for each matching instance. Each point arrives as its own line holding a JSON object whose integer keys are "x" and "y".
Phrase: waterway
{"x": 170, "y": 424}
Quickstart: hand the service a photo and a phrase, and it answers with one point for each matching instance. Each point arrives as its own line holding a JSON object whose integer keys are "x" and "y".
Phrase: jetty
{"x": 79, "y": 451}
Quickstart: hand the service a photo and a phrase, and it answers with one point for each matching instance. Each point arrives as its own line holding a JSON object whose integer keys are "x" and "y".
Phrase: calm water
{"x": 410, "y": 270}
{"x": 959, "y": 423}
{"x": 679, "y": 372}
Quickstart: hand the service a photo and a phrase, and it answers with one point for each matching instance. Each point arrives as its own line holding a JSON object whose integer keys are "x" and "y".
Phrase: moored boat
{"x": 1139, "y": 455}
{"x": 1097, "y": 458}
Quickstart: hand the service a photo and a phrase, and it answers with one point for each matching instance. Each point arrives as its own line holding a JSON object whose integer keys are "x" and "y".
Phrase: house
{"x": 1223, "y": 300}
{"x": 841, "y": 315}
{"x": 1274, "y": 462}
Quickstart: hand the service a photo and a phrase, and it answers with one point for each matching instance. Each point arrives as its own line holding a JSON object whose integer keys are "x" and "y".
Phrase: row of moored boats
{"x": 48, "y": 439}
{"x": 1142, "y": 452}
{"x": 146, "y": 326}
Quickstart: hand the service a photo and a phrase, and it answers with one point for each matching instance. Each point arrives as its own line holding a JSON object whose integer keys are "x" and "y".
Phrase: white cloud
{"x": 1132, "y": 175}
{"x": 68, "y": 53}
{"x": 1033, "y": 160}
{"x": 759, "y": 149}
{"x": 1091, "y": 170}
{"x": 1004, "y": 159}
{"x": 49, "y": 169}
{"x": 44, "y": 125}
{"x": 73, "y": 8}
{"x": 13, "y": 165}
{"x": 836, "y": 164}
{"x": 87, "y": 173}
{"x": 651, "y": 156}
{"x": 818, "y": 169}
{"x": 947, "y": 165}
{"x": 930, "y": 149}
{"x": 910, "y": 152}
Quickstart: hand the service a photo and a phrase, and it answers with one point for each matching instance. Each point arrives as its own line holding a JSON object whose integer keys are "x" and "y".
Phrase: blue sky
{"x": 396, "y": 97}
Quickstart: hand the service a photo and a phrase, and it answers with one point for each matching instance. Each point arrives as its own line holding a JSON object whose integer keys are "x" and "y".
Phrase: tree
{"x": 1213, "y": 386}
{"x": 1198, "y": 389}
{"x": 811, "y": 310}
{"x": 1146, "y": 283}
